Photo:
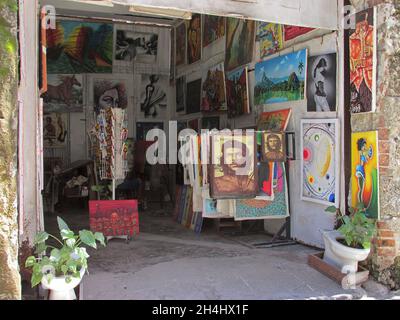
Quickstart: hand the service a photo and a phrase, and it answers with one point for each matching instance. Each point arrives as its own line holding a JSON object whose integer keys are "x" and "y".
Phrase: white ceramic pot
{"x": 342, "y": 257}
{"x": 61, "y": 290}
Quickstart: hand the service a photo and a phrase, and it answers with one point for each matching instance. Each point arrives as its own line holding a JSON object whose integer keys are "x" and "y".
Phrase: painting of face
{"x": 64, "y": 93}
{"x": 233, "y": 170}
{"x": 109, "y": 93}
{"x": 365, "y": 172}
{"x": 194, "y": 39}
{"x": 363, "y": 62}
{"x": 320, "y": 161}
{"x": 240, "y": 36}
{"x": 273, "y": 147}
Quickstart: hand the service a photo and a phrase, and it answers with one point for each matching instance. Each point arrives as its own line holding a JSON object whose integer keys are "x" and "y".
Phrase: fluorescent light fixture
{"x": 165, "y": 12}
{"x": 104, "y": 3}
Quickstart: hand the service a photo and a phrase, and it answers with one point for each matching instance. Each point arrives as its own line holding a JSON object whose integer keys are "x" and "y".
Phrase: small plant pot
{"x": 60, "y": 289}
{"x": 342, "y": 257}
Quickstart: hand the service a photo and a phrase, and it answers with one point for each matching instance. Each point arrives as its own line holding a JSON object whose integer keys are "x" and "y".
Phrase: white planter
{"x": 61, "y": 290}
{"x": 342, "y": 257}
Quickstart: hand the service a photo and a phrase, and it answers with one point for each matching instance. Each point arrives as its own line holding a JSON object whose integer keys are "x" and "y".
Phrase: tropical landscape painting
{"x": 80, "y": 47}
{"x": 281, "y": 79}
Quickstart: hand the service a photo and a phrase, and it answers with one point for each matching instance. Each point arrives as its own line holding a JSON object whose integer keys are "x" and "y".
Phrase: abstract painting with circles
{"x": 320, "y": 161}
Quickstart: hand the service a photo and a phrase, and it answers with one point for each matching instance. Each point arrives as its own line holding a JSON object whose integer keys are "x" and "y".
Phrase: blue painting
{"x": 281, "y": 79}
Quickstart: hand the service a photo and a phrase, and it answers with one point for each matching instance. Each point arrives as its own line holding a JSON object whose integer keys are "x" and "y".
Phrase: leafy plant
{"x": 67, "y": 260}
{"x": 104, "y": 191}
{"x": 356, "y": 228}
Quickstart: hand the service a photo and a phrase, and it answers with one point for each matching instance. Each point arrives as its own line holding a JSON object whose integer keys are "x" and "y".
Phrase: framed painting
{"x": 213, "y": 97}
{"x": 365, "y": 172}
{"x": 194, "y": 39}
{"x": 180, "y": 44}
{"x": 64, "y": 93}
{"x": 270, "y": 36}
{"x": 180, "y": 94}
{"x": 278, "y": 208}
{"x": 292, "y": 32}
{"x": 193, "y": 96}
{"x": 135, "y": 46}
{"x": 281, "y": 79}
{"x": 233, "y": 169}
{"x": 214, "y": 29}
{"x": 55, "y": 130}
{"x": 273, "y": 147}
{"x": 237, "y": 93}
{"x": 240, "y": 37}
{"x": 153, "y": 96}
{"x": 321, "y": 83}
{"x": 320, "y": 176}
{"x": 114, "y": 218}
{"x": 80, "y": 47}
{"x": 363, "y": 59}
{"x": 275, "y": 121}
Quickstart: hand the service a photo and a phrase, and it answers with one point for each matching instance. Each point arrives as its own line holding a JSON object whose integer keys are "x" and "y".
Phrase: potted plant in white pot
{"x": 60, "y": 269}
{"x": 351, "y": 242}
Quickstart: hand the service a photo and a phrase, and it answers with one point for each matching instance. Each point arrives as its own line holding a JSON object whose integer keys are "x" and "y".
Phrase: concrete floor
{"x": 167, "y": 261}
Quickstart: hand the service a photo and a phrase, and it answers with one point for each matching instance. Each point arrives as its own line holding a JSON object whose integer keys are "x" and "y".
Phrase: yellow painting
{"x": 365, "y": 172}
{"x": 270, "y": 36}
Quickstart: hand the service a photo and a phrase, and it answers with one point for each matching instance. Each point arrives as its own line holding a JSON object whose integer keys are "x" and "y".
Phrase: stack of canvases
{"x": 230, "y": 178}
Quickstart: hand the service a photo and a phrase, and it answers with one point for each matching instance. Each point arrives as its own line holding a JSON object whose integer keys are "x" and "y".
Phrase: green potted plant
{"x": 60, "y": 268}
{"x": 351, "y": 242}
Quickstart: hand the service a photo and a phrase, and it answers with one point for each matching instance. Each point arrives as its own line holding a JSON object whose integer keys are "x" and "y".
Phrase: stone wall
{"x": 10, "y": 287}
{"x": 386, "y": 120}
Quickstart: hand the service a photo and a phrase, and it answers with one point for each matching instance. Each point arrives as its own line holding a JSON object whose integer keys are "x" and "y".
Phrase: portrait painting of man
{"x": 273, "y": 147}
{"x": 233, "y": 171}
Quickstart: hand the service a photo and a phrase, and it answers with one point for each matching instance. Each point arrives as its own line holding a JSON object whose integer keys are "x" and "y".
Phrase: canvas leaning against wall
{"x": 194, "y": 39}
{"x": 365, "y": 172}
{"x": 281, "y": 79}
{"x": 270, "y": 36}
{"x": 321, "y": 83}
{"x": 64, "y": 93}
{"x": 240, "y": 36}
{"x": 214, "y": 29}
{"x": 363, "y": 62}
{"x": 213, "y": 89}
{"x": 320, "y": 161}
{"x": 79, "y": 47}
{"x": 237, "y": 93}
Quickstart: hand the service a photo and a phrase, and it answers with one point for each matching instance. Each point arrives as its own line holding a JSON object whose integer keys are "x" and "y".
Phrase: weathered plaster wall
{"x": 9, "y": 275}
{"x": 386, "y": 120}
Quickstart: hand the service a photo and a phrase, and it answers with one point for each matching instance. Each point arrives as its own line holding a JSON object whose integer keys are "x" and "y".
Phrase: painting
{"x": 180, "y": 94}
{"x": 240, "y": 36}
{"x": 209, "y": 123}
{"x": 193, "y": 96}
{"x": 265, "y": 181}
{"x": 365, "y": 172}
{"x": 233, "y": 172}
{"x": 270, "y": 36}
{"x": 55, "y": 130}
{"x": 278, "y": 208}
{"x": 273, "y": 147}
{"x": 321, "y": 83}
{"x": 109, "y": 93}
{"x": 275, "y": 121}
{"x": 114, "y": 218}
{"x": 136, "y": 46}
{"x": 292, "y": 32}
{"x": 153, "y": 96}
{"x": 213, "y": 96}
{"x": 194, "y": 39}
{"x": 237, "y": 93}
{"x": 320, "y": 161}
{"x": 281, "y": 79}
{"x": 64, "y": 93}
{"x": 180, "y": 44}
{"x": 363, "y": 62}
{"x": 79, "y": 47}
{"x": 142, "y": 128}
{"x": 214, "y": 29}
